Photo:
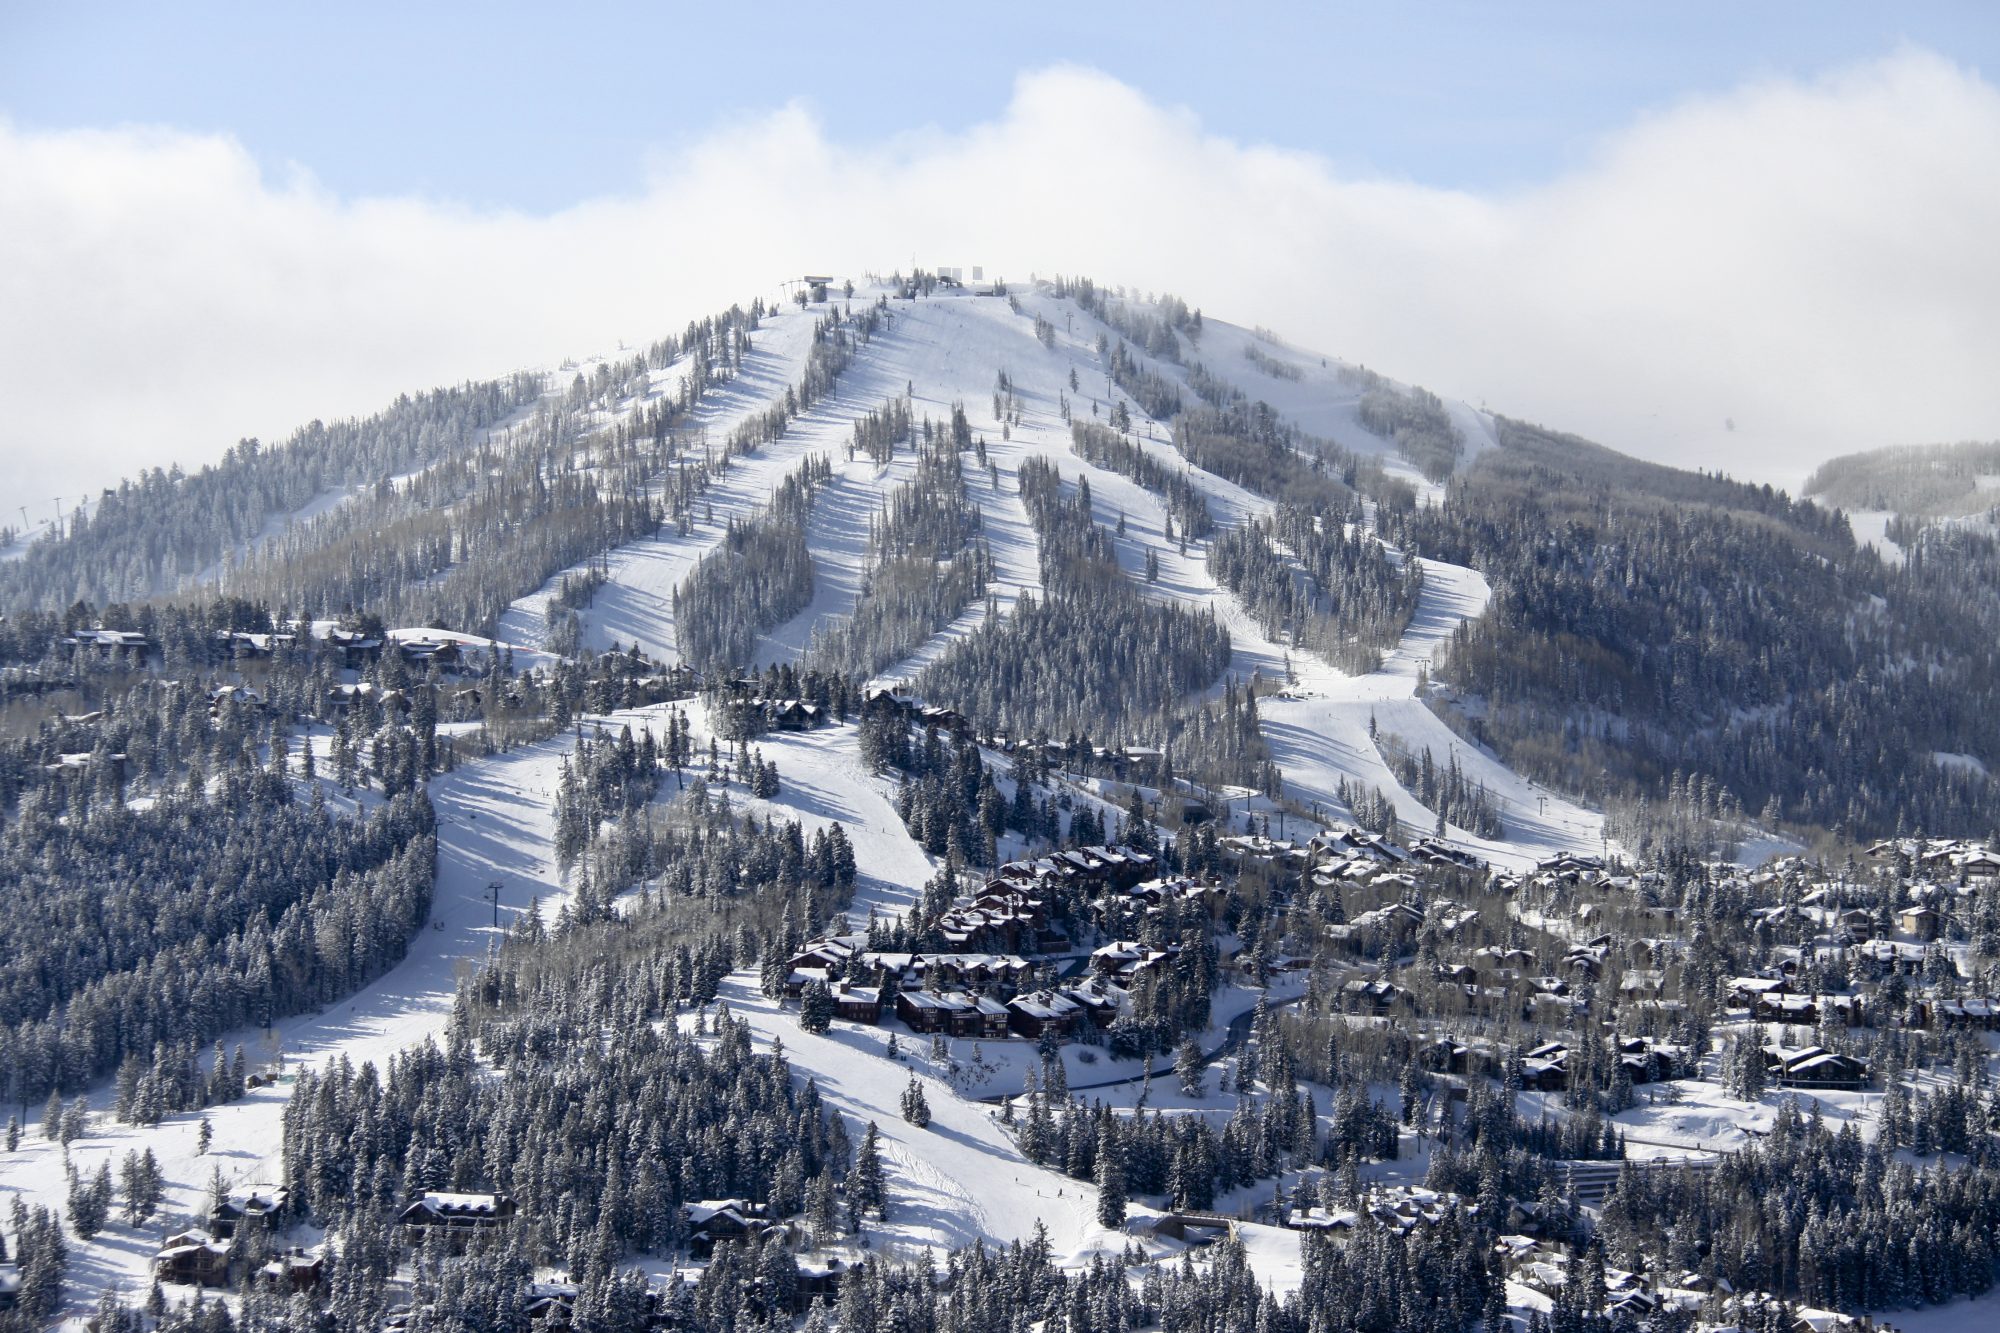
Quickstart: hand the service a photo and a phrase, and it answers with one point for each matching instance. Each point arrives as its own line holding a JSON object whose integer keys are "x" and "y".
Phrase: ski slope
{"x": 959, "y": 1179}
{"x": 636, "y": 605}
{"x": 494, "y": 826}
{"x": 951, "y": 349}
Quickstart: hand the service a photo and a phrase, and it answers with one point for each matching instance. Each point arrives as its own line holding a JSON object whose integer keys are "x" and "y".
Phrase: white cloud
{"x": 1812, "y": 259}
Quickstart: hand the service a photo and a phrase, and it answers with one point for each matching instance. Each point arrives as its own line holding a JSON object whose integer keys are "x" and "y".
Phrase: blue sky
{"x": 1745, "y": 236}
{"x": 537, "y": 106}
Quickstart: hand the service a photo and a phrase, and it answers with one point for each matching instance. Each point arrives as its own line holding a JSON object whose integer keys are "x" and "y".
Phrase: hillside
{"x": 1033, "y": 800}
{"x": 1915, "y": 481}
{"x": 1747, "y": 648}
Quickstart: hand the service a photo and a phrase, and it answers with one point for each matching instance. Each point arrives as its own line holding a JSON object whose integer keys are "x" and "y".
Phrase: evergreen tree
{"x": 916, "y": 1109}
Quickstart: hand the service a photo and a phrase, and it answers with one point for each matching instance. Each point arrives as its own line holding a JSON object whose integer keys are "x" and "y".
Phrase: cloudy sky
{"x": 1744, "y": 237}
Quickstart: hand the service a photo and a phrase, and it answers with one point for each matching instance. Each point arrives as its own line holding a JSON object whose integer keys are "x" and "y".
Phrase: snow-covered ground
{"x": 960, "y": 1178}
{"x": 1871, "y": 528}
{"x": 952, "y": 1182}
{"x": 495, "y": 827}
{"x": 636, "y": 605}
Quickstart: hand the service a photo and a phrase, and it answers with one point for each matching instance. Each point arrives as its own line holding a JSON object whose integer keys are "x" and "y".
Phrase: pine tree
{"x": 1193, "y": 1072}
{"x": 916, "y": 1109}
{"x": 866, "y": 1188}
{"x": 816, "y": 1007}
{"x": 1111, "y": 1183}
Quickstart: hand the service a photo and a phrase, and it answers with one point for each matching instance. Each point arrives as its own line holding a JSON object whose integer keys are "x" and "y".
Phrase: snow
{"x": 1871, "y": 528}
{"x": 1959, "y": 763}
{"x": 636, "y": 605}
{"x": 1325, "y": 400}
{"x": 495, "y": 825}
{"x": 955, "y": 1181}
{"x": 961, "y": 1178}
{"x": 1978, "y": 1315}
{"x": 947, "y": 350}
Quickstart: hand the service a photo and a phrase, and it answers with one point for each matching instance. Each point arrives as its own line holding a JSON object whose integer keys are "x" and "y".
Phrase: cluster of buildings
{"x": 1545, "y": 1268}
{"x": 1403, "y": 1208}
{"x": 978, "y": 995}
{"x": 120, "y": 647}
{"x": 212, "y": 1256}
{"x": 996, "y": 977}
{"x": 915, "y": 712}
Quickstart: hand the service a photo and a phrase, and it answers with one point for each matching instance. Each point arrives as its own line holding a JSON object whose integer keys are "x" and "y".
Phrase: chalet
{"x": 857, "y": 1004}
{"x": 954, "y": 1013}
{"x": 1549, "y": 1007}
{"x": 83, "y": 760}
{"x": 221, "y": 695}
{"x": 344, "y": 697}
{"x": 947, "y": 720}
{"x": 356, "y": 648}
{"x": 423, "y": 651}
{"x": 1125, "y": 960}
{"x": 551, "y": 1304}
{"x": 1444, "y": 1055}
{"x": 195, "y": 1259}
{"x": 1981, "y": 863}
{"x": 1745, "y": 992}
{"x": 1815, "y": 1067}
{"x": 819, "y": 1279}
{"x": 294, "y": 1270}
{"x": 1100, "y": 999}
{"x": 244, "y": 646}
{"x": 799, "y": 978}
{"x": 1494, "y": 960}
{"x": 986, "y": 928}
{"x": 1546, "y": 1067}
{"x": 1923, "y": 922}
{"x": 1431, "y": 851}
{"x": 1587, "y": 963}
{"x": 1401, "y": 1208}
{"x": 1361, "y": 996}
{"x": 1810, "y": 1010}
{"x": 1894, "y": 956}
{"x": 1254, "y": 849}
{"x": 1044, "y": 1012}
{"x": 794, "y": 715}
{"x": 253, "y": 1205}
{"x": 1393, "y": 921}
{"x": 1642, "y": 1061}
{"x": 831, "y": 953}
{"x": 1153, "y": 895}
{"x": 1642, "y": 983}
{"x": 889, "y": 696}
{"x": 970, "y": 970}
{"x": 124, "y": 647}
{"x": 1338, "y": 843}
{"x": 457, "y": 1212}
{"x": 712, "y": 1221}
{"x": 1970, "y": 1013}
{"x": 892, "y": 971}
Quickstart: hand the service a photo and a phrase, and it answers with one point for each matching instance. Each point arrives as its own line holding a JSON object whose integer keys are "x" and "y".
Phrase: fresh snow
{"x": 495, "y": 826}
{"x": 961, "y": 1178}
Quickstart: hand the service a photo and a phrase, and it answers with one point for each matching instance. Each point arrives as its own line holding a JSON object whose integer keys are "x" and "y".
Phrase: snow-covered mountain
{"x": 526, "y": 778}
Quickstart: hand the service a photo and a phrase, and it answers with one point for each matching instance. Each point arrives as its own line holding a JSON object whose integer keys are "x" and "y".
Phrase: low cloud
{"x": 1810, "y": 260}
